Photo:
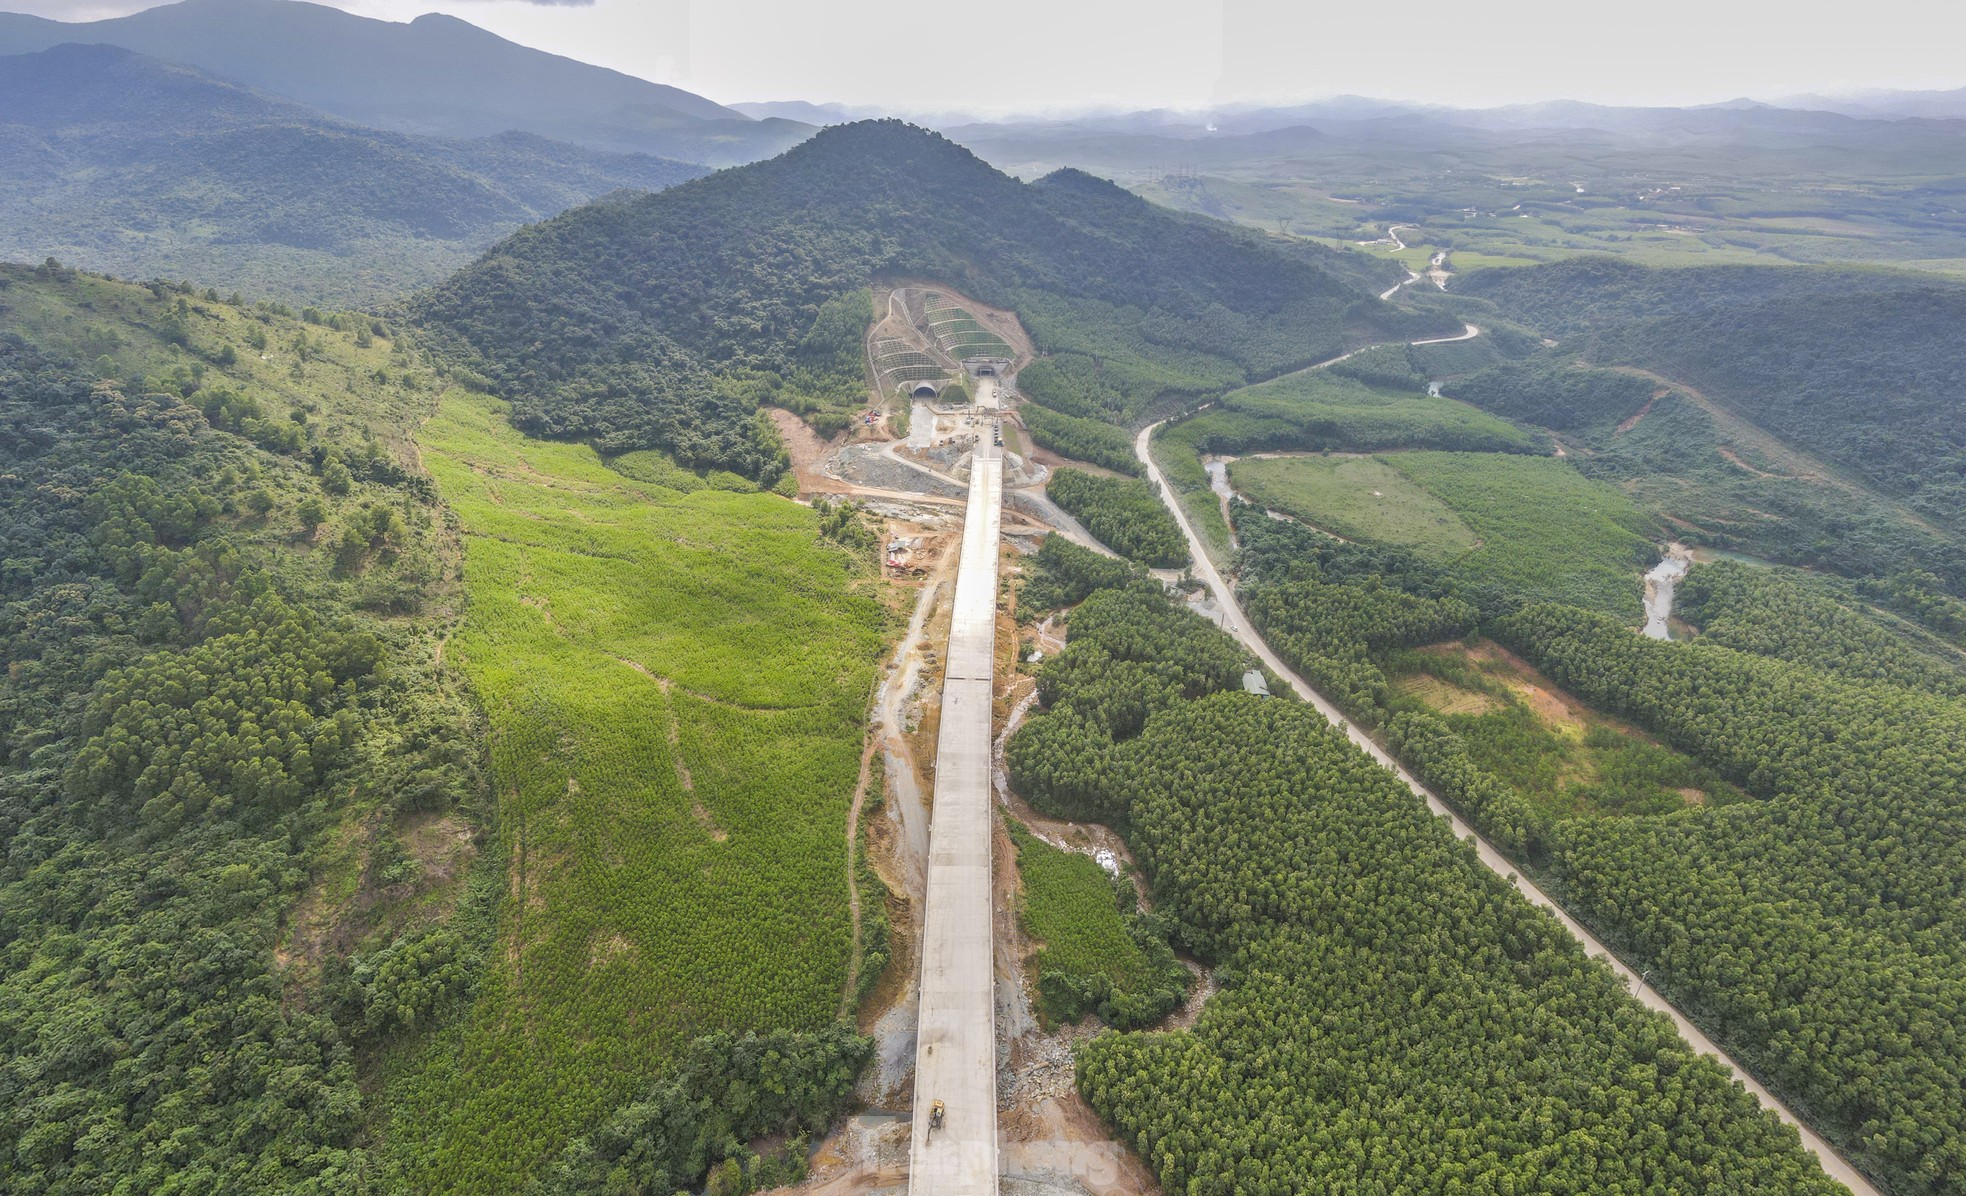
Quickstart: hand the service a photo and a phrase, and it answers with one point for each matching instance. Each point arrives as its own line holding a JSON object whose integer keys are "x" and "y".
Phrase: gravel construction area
{"x": 1042, "y": 509}
{"x": 869, "y": 464}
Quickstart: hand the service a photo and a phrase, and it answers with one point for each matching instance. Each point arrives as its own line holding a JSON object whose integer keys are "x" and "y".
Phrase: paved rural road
{"x": 956, "y": 1042}
{"x": 1238, "y": 625}
{"x": 1469, "y": 333}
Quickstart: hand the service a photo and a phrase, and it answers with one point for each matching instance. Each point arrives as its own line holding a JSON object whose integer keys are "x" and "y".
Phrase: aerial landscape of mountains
{"x": 499, "y": 556}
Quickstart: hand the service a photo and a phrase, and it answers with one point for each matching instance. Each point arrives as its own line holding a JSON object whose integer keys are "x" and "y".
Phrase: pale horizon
{"x": 1198, "y": 57}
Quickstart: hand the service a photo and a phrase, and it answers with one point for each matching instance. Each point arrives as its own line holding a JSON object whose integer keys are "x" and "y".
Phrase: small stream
{"x": 1659, "y": 586}
{"x": 1218, "y": 476}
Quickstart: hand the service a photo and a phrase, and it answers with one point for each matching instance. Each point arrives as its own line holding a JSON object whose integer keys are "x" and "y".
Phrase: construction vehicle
{"x": 935, "y": 1112}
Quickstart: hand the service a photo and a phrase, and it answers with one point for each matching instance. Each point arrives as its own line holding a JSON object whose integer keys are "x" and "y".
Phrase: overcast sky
{"x": 1029, "y": 54}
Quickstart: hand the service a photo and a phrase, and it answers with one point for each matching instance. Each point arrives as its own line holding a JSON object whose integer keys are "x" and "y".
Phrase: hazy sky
{"x": 1026, "y": 54}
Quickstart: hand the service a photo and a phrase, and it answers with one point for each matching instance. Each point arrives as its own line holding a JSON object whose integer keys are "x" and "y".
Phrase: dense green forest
{"x": 1817, "y": 930}
{"x": 1081, "y": 439}
{"x": 1124, "y": 514}
{"x": 1063, "y": 573}
{"x": 1859, "y": 368}
{"x": 664, "y": 320}
{"x": 1555, "y": 394}
{"x": 1086, "y": 386}
{"x": 1771, "y": 920}
{"x": 1387, "y": 1006}
{"x": 225, "y": 583}
{"x": 726, "y": 1092}
{"x": 1793, "y": 616}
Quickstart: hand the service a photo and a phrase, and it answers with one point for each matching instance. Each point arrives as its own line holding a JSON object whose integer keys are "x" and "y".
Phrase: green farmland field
{"x": 1545, "y": 529}
{"x": 1360, "y": 498}
{"x": 1531, "y": 524}
{"x": 676, "y": 686}
{"x": 1316, "y": 409}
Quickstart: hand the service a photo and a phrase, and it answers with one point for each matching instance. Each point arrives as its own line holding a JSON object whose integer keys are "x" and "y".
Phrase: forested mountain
{"x": 225, "y": 584}
{"x": 436, "y": 75}
{"x": 120, "y": 162}
{"x": 662, "y": 320}
{"x": 1862, "y": 369}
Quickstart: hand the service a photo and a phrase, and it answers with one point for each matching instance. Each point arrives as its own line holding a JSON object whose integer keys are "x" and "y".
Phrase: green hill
{"x": 662, "y": 320}
{"x": 118, "y": 162}
{"x": 226, "y": 585}
{"x": 1861, "y": 368}
{"x": 301, "y": 644}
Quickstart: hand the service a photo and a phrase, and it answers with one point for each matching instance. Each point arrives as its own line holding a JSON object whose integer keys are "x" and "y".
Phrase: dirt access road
{"x": 1238, "y": 625}
{"x": 956, "y": 1039}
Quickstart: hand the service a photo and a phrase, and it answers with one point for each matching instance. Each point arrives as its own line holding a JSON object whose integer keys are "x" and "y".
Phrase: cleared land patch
{"x": 674, "y": 752}
{"x": 1316, "y": 409}
{"x": 1546, "y": 531}
{"x": 1357, "y": 497}
{"x": 1093, "y": 955}
{"x": 1565, "y": 758}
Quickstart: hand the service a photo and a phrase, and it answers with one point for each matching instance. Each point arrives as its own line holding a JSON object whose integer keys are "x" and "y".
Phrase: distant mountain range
{"x": 1887, "y": 105}
{"x": 124, "y": 163}
{"x": 1350, "y": 125}
{"x": 292, "y": 149}
{"x": 435, "y": 75}
{"x": 1550, "y": 115}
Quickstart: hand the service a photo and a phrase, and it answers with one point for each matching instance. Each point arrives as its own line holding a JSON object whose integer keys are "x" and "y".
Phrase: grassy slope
{"x": 1356, "y": 497}
{"x": 1314, "y": 410}
{"x": 1367, "y": 417}
{"x": 675, "y": 685}
{"x": 1546, "y": 529}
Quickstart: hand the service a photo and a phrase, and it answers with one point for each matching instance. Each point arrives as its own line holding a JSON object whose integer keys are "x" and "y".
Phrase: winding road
{"x": 1238, "y": 625}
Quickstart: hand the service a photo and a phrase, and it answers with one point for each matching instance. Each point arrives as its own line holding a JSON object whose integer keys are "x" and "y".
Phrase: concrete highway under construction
{"x": 954, "y": 1147}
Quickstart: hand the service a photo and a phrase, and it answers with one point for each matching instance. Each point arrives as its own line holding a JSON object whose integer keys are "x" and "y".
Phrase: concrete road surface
{"x": 956, "y": 1044}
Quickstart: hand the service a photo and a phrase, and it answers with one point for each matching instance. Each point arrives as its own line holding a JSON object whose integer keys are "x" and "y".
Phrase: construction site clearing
{"x": 1049, "y": 1142}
